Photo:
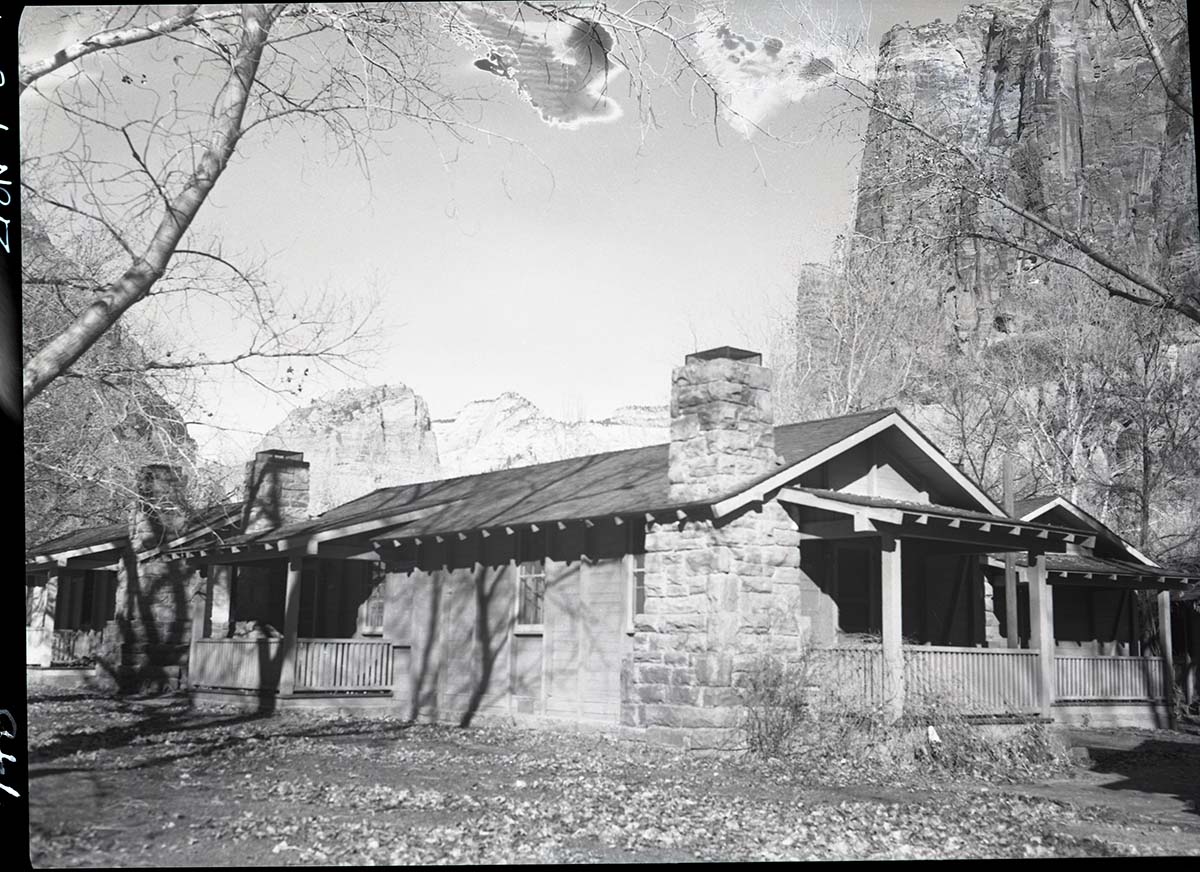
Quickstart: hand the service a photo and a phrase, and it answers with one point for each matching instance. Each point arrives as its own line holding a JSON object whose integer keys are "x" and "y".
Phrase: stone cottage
{"x": 638, "y": 588}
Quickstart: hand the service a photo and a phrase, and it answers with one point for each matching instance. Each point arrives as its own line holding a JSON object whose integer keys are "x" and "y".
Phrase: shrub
{"x": 824, "y": 712}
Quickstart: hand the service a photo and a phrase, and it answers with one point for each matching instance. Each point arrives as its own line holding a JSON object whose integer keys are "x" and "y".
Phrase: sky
{"x": 575, "y": 268}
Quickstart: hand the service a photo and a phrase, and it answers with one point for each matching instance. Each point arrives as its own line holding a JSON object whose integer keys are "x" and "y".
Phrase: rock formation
{"x": 510, "y": 431}
{"x": 86, "y": 436}
{"x": 1060, "y": 104}
{"x": 358, "y": 440}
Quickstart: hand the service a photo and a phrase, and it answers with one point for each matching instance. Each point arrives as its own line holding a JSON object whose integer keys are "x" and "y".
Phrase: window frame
{"x": 374, "y": 584}
{"x": 537, "y": 570}
{"x": 633, "y": 556}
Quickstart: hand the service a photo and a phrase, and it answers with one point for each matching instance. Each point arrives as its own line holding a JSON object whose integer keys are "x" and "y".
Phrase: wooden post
{"x": 1041, "y": 630}
{"x": 49, "y": 607}
{"x": 199, "y": 612}
{"x": 891, "y": 625}
{"x": 220, "y": 577}
{"x": 1011, "y": 602}
{"x": 291, "y": 628}
{"x": 1168, "y": 655}
{"x": 1189, "y": 658}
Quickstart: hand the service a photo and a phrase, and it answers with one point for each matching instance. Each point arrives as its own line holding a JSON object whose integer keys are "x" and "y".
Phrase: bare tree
{"x": 861, "y": 336}
{"x": 141, "y": 160}
{"x": 142, "y": 155}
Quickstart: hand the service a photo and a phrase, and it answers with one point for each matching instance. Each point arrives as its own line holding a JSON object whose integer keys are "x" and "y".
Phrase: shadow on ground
{"x": 147, "y": 718}
{"x": 1161, "y": 763}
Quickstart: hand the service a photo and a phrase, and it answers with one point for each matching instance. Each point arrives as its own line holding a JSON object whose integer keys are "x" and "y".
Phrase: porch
{"x": 315, "y": 666}
{"x": 950, "y": 638}
{"x": 66, "y": 613}
{"x": 247, "y": 631}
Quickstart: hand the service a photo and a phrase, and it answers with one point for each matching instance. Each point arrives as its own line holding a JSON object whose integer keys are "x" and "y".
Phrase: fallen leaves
{"x": 223, "y": 787}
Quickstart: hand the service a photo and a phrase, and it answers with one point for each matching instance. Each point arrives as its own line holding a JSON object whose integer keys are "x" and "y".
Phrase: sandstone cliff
{"x": 360, "y": 440}
{"x": 86, "y": 436}
{"x": 510, "y": 431}
{"x": 1059, "y": 101}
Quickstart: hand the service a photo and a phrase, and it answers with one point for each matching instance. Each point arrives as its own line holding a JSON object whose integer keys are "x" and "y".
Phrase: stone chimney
{"x": 145, "y": 640}
{"x": 720, "y": 593}
{"x": 276, "y": 491}
{"x": 722, "y": 427}
{"x": 159, "y": 515}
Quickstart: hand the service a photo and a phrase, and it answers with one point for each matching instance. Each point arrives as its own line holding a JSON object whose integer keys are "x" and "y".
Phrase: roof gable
{"x": 917, "y": 452}
{"x": 1055, "y": 505}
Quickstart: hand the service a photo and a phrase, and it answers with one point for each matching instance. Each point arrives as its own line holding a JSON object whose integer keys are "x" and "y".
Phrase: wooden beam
{"x": 618, "y": 520}
{"x": 1041, "y": 630}
{"x": 863, "y": 524}
{"x": 1168, "y": 655}
{"x": 291, "y": 628}
{"x": 337, "y": 551}
{"x": 891, "y": 625}
{"x": 995, "y": 542}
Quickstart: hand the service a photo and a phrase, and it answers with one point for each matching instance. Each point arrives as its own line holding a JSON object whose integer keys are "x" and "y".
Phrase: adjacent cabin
{"x": 638, "y": 589}
{"x": 104, "y": 605}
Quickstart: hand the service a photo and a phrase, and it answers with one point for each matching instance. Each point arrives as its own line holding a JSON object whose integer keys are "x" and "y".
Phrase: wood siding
{"x": 456, "y": 610}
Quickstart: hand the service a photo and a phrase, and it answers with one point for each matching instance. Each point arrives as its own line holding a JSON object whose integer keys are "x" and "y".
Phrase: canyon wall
{"x": 1058, "y": 102}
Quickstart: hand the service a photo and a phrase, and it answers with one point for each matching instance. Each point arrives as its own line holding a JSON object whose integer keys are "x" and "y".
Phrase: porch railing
{"x": 850, "y": 675}
{"x": 1108, "y": 679}
{"x": 321, "y": 665}
{"x": 331, "y": 665}
{"x": 71, "y": 646}
{"x": 984, "y": 681}
{"x": 236, "y": 664}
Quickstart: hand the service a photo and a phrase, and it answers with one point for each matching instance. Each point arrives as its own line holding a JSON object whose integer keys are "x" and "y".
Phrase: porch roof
{"x": 972, "y": 530}
{"x": 93, "y": 542}
{"x": 95, "y": 545}
{"x": 1080, "y": 568}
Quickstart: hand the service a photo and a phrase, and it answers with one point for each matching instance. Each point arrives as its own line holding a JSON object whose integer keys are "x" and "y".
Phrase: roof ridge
{"x": 881, "y": 412}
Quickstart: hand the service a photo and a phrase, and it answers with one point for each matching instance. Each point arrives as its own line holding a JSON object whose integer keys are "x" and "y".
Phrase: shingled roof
{"x": 115, "y": 535}
{"x": 1084, "y": 564}
{"x": 215, "y": 518}
{"x": 627, "y": 482}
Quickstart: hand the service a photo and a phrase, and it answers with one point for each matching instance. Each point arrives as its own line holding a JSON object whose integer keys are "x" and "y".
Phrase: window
{"x": 637, "y": 587}
{"x": 531, "y": 592}
{"x": 375, "y": 579}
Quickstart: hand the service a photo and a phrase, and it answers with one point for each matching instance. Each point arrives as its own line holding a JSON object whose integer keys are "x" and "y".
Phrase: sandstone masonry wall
{"x": 719, "y": 594}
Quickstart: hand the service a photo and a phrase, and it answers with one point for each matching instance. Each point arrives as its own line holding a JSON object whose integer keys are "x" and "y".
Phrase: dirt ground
{"x": 153, "y": 782}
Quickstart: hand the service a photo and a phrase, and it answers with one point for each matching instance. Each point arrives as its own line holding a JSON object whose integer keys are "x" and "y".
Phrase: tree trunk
{"x": 111, "y": 303}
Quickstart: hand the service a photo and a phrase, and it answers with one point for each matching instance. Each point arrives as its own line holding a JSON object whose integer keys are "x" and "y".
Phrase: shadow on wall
{"x": 149, "y": 651}
{"x": 465, "y": 615}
